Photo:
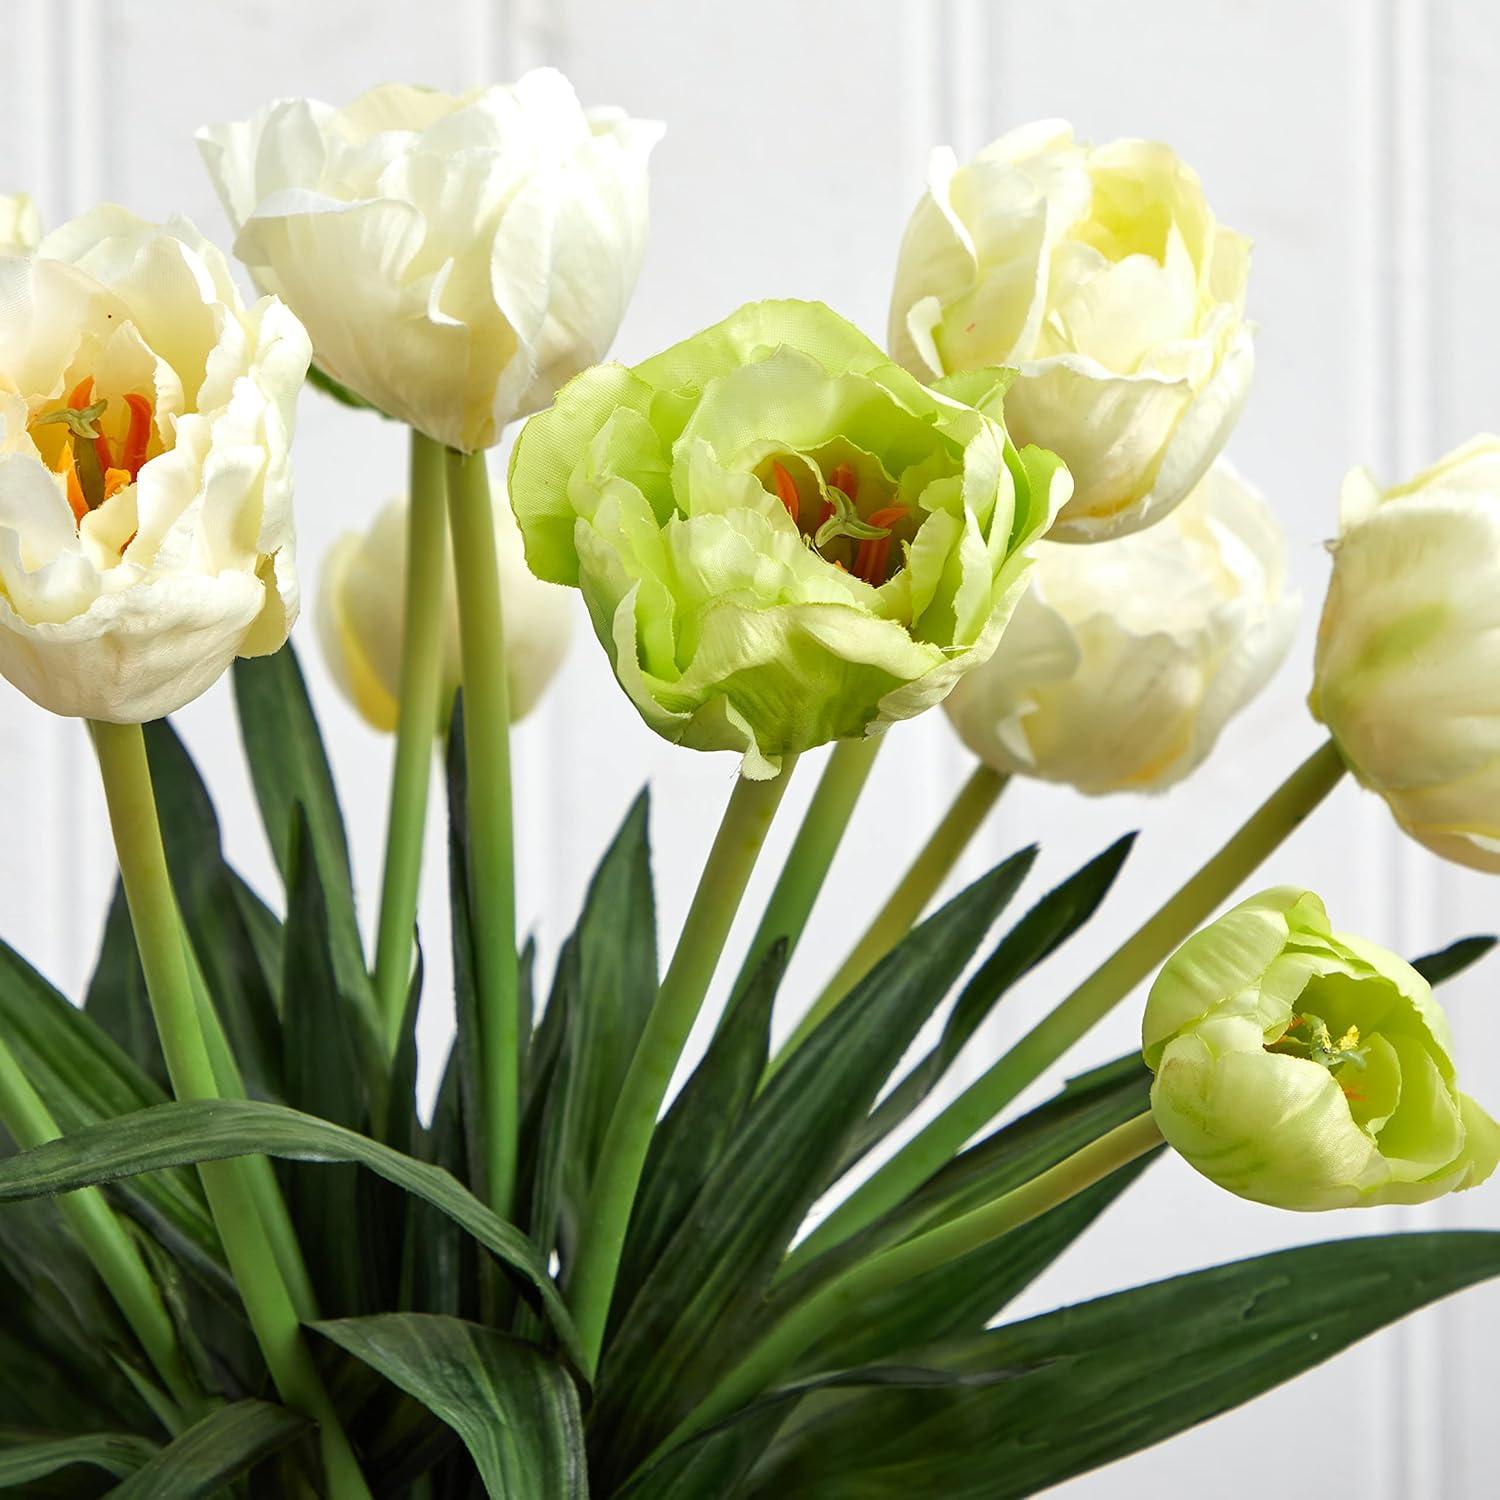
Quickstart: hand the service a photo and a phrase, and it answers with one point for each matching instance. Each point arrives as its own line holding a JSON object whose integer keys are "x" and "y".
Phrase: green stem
{"x": 481, "y": 627}
{"x": 270, "y": 1203}
{"x": 416, "y": 726}
{"x": 104, "y": 1239}
{"x": 153, "y": 914}
{"x": 1119, "y": 974}
{"x": 839, "y": 1299}
{"x": 812, "y": 852}
{"x": 907, "y": 902}
{"x": 752, "y": 805}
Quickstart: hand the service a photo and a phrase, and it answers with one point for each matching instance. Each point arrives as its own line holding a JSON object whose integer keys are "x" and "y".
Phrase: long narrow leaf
{"x": 24, "y": 1460}
{"x": 1448, "y": 963}
{"x": 515, "y": 1408}
{"x": 1050, "y": 923}
{"x": 83, "y": 1077}
{"x": 184, "y": 1134}
{"x": 702, "y": 1120}
{"x": 288, "y": 766}
{"x": 964, "y": 1296}
{"x": 1110, "y": 1377}
{"x": 213, "y": 1452}
{"x": 698, "y": 1306}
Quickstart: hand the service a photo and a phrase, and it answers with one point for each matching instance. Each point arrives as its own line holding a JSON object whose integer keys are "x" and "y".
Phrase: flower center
{"x": 1308, "y": 1036}
{"x": 837, "y": 532}
{"x": 94, "y": 467}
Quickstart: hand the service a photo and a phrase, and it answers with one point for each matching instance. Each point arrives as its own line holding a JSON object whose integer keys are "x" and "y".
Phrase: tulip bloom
{"x": 455, "y": 258}
{"x": 1306, "y": 1068}
{"x": 361, "y": 618}
{"x": 1124, "y": 661}
{"x": 145, "y": 483}
{"x": 1407, "y": 676}
{"x": 1100, "y": 274}
{"x": 782, "y": 537}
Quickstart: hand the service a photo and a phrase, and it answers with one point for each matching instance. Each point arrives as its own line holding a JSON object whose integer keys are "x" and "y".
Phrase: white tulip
{"x": 1407, "y": 677}
{"x": 20, "y": 224}
{"x": 145, "y": 485}
{"x": 1124, "y": 661}
{"x": 1100, "y": 274}
{"x": 455, "y": 259}
{"x": 361, "y": 617}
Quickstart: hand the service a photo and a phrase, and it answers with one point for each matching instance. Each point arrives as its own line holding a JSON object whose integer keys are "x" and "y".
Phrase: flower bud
{"x": 1123, "y": 661}
{"x": 1407, "y": 675}
{"x": 782, "y": 537}
{"x": 1100, "y": 274}
{"x": 1308, "y": 1069}
{"x": 455, "y": 258}
{"x": 361, "y": 618}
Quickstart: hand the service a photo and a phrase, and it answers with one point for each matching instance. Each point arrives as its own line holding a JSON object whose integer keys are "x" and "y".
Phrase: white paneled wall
{"x": 1354, "y": 140}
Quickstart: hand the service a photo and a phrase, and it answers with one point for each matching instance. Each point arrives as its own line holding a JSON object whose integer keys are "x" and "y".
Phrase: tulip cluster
{"x": 786, "y": 537}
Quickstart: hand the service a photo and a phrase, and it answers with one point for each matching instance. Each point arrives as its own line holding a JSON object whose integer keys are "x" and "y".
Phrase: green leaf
{"x": 210, "y": 1130}
{"x": 715, "y": 1460}
{"x": 244, "y": 994}
{"x": 1039, "y": 934}
{"x": 84, "y": 1077}
{"x": 463, "y": 1061}
{"x": 1447, "y": 963}
{"x": 515, "y": 1407}
{"x": 26, "y": 1458}
{"x": 116, "y": 1000}
{"x": 604, "y": 988}
{"x": 213, "y": 1452}
{"x": 965, "y": 1295}
{"x": 325, "y": 1066}
{"x": 702, "y": 1120}
{"x": 63, "y": 1343}
{"x": 288, "y": 766}
{"x": 697, "y": 1308}
{"x": 1110, "y": 1377}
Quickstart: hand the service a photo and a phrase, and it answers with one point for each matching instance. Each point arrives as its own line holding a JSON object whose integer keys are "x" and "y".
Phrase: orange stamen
{"x": 68, "y": 465}
{"x": 889, "y": 516}
{"x": 844, "y": 478}
{"x": 115, "y": 480}
{"x": 787, "y": 490}
{"x": 138, "y": 438}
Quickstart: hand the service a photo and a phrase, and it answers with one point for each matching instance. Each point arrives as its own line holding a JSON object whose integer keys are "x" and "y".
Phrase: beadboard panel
{"x": 1352, "y": 140}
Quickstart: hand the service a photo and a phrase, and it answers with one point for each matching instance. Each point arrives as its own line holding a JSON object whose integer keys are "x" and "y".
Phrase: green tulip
{"x": 1306, "y": 1068}
{"x": 782, "y": 537}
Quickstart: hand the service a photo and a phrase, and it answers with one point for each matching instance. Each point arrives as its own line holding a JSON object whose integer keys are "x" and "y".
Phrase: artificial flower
{"x": 20, "y": 224}
{"x": 456, "y": 258}
{"x": 1308, "y": 1069}
{"x": 1124, "y": 661}
{"x": 1407, "y": 676}
{"x": 1102, "y": 277}
{"x": 145, "y": 485}
{"x": 783, "y": 538}
{"x": 361, "y": 616}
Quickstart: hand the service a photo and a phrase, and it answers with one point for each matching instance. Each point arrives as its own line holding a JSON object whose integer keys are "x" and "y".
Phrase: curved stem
{"x": 1115, "y": 978}
{"x": 908, "y": 901}
{"x": 153, "y": 914}
{"x": 752, "y": 805}
{"x": 812, "y": 852}
{"x": 775, "y": 1354}
{"x": 416, "y": 726}
{"x": 481, "y": 627}
{"x": 105, "y": 1241}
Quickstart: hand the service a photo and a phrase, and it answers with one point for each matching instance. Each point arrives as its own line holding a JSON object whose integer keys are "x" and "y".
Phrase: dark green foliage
{"x": 444, "y": 1334}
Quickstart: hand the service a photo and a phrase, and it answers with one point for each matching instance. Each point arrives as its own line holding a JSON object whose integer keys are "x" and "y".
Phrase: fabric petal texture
{"x": 783, "y": 538}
